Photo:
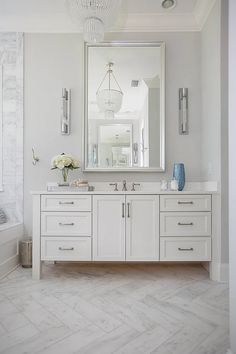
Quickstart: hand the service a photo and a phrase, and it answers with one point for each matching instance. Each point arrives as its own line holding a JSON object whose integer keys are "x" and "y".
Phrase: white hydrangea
{"x": 75, "y": 163}
{"x": 64, "y": 161}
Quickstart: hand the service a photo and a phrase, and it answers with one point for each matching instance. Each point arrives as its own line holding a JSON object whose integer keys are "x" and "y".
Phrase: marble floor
{"x": 99, "y": 309}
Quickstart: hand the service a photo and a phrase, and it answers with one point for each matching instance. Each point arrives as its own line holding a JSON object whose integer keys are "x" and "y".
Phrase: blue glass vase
{"x": 179, "y": 175}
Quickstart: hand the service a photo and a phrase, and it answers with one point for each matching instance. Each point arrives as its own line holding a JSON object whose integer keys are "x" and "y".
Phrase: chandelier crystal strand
{"x": 93, "y": 30}
{"x": 109, "y": 100}
{"x": 95, "y": 16}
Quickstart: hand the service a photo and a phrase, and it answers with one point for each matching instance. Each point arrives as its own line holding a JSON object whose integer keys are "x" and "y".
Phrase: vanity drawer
{"x": 65, "y": 224}
{"x": 66, "y": 202}
{"x": 185, "y": 249}
{"x": 185, "y": 224}
{"x": 185, "y": 203}
{"x": 66, "y": 249}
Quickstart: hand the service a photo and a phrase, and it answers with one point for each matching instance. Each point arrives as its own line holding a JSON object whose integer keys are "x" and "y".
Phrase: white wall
{"x": 215, "y": 123}
{"x": 53, "y": 61}
{"x": 232, "y": 170}
{"x": 210, "y": 89}
{"x": 224, "y": 133}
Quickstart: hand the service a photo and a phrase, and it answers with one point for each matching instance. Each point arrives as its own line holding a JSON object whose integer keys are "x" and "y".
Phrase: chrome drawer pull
{"x": 128, "y": 205}
{"x": 185, "y": 202}
{"x": 66, "y": 249}
{"x": 185, "y": 224}
{"x": 185, "y": 249}
{"x": 69, "y": 224}
{"x": 123, "y": 210}
{"x": 66, "y": 203}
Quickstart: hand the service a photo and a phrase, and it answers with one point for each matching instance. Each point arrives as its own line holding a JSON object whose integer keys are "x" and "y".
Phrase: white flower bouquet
{"x": 64, "y": 162}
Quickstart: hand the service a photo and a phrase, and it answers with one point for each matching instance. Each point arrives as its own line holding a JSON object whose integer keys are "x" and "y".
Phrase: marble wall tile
{"x": 11, "y": 59}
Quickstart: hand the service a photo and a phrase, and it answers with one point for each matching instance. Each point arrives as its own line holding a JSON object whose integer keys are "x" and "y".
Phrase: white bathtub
{"x": 10, "y": 233}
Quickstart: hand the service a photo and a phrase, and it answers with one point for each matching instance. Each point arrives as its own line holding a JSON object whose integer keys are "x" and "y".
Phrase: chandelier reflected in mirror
{"x": 96, "y": 16}
{"x": 109, "y": 99}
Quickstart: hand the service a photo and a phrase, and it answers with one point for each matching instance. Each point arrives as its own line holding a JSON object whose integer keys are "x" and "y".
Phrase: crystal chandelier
{"x": 96, "y": 16}
{"x": 109, "y": 100}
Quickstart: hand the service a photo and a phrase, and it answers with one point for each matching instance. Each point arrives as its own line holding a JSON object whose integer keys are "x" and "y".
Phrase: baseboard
{"x": 224, "y": 272}
{"x": 219, "y": 272}
{"x": 9, "y": 265}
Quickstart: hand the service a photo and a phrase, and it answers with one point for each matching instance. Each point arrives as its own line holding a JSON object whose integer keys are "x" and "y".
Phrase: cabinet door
{"x": 142, "y": 228}
{"x": 109, "y": 228}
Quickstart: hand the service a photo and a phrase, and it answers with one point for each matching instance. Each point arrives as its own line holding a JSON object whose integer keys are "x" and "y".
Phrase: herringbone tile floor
{"x": 99, "y": 309}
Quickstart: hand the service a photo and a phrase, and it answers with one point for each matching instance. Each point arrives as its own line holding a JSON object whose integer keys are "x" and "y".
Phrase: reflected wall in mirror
{"x": 124, "y": 107}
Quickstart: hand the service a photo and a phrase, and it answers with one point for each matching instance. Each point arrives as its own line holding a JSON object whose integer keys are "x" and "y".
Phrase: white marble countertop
{"x": 98, "y": 192}
{"x": 144, "y": 188}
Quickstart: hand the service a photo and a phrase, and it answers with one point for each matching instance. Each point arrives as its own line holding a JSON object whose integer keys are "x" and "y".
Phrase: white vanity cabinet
{"x": 62, "y": 229}
{"x": 142, "y": 227}
{"x": 109, "y": 228}
{"x": 126, "y": 228}
{"x": 185, "y": 227}
{"x": 121, "y": 226}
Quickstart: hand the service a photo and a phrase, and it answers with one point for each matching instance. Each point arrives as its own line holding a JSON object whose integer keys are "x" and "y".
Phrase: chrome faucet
{"x": 115, "y": 185}
{"x": 124, "y": 188}
{"x": 133, "y": 186}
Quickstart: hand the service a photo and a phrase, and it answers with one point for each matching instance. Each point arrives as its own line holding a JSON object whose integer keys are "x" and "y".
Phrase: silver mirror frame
{"x": 162, "y": 105}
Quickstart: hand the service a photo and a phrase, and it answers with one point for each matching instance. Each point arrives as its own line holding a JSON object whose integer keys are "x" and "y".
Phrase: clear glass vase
{"x": 65, "y": 172}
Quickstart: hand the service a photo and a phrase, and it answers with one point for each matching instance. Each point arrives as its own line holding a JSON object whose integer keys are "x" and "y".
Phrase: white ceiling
{"x": 136, "y": 15}
{"x": 150, "y": 6}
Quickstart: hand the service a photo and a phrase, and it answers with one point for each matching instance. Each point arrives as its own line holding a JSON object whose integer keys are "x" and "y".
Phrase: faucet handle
{"x": 114, "y": 184}
{"x": 124, "y": 188}
{"x": 133, "y": 186}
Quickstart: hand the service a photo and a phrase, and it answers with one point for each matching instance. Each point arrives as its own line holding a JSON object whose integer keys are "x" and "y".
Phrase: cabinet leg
{"x": 36, "y": 250}
{"x": 37, "y": 270}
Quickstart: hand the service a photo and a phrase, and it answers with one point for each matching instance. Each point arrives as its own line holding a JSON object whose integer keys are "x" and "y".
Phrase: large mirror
{"x": 124, "y": 107}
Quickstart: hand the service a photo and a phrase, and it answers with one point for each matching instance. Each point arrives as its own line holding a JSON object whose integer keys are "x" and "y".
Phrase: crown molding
{"x": 151, "y": 22}
{"x": 202, "y": 10}
{"x": 132, "y": 22}
{"x": 166, "y": 21}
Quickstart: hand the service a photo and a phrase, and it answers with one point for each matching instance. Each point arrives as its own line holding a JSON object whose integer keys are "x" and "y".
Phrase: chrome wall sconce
{"x": 135, "y": 153}
{"x": 65, "y": 112}
{"x": 183, "y": 111}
